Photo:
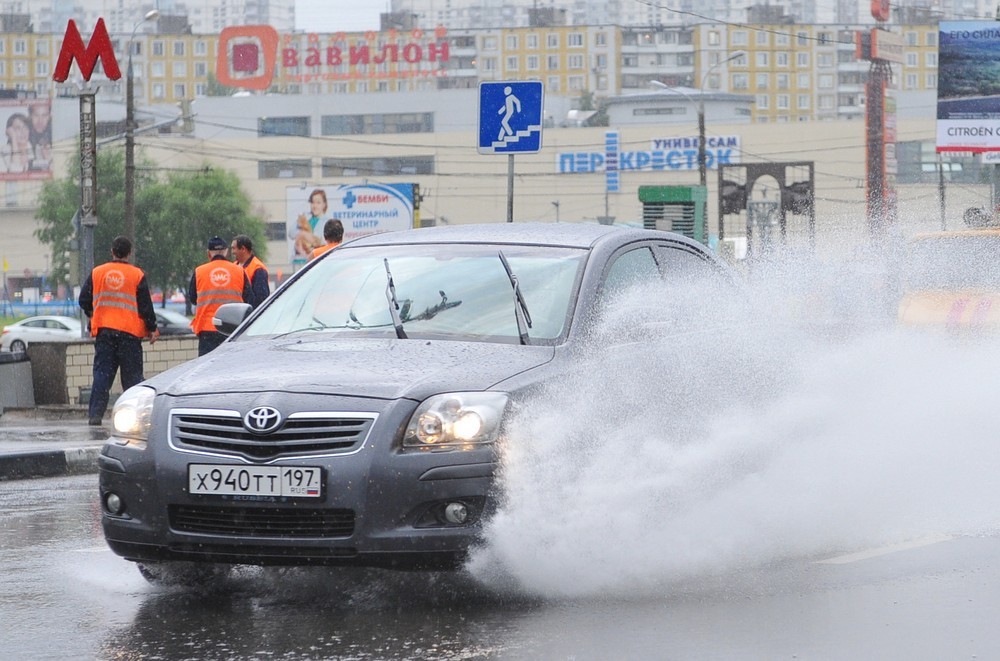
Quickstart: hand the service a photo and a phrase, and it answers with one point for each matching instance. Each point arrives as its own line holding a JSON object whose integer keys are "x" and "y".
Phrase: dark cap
{"x": 215, "y": 243}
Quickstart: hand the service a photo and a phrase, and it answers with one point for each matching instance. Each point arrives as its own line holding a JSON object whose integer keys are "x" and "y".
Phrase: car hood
{"x": 377, "y": 368}
{"x": 951, "y": 309}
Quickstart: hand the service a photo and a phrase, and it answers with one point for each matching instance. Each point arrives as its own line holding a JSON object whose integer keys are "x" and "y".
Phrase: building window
{"x": 552, "y": 41}
{"x": 158, "y": 48}
{"x": 763, "y": 59}
{"x": 178, "y": 49}
{"x": 782, "y": 81}
{"x": 42, "y": 68}
{"x": 200, "y": 48}
{"x": 763, "y": 81}
{"x": 20, "y": 47}
{"x": 804, "y": 81}
{"x": 295, "y": 168}
{"x": 552, "y": 62}
{"x": 911, "y": 39}
{"x": 804, "y": 101}
{"x": 931, "y": 38}
{"x": 740, "y": 38}
{"x": 930, "y": 81}
{"x": 741, "y": 81}
{"x": 377, "y": 167}
{"x": 283, "y": 126}
{"x": 911, "y": 60}
{"x": 911, "y": 81}
{"x": 512, "y": 63}
{"x": 763, "y": 38}
{"x": 713, "y": 38}
{"x": 489, "y": 64}
{"x": 156, "y": 70}
{"x": 763, "y": 101}
{"x": 553, "y": 84}
{"x": 781, "y": 102}
{"x": 159, "y": 91}
{"x": 802, "y": 59}
{"x": 826, "y": 81}
{"x": 826, "y": 102}
{"x": 180, "y": 91}
{"x": 802, "y": 38}
{"x": 576, "y": 83}
{"x": 369, "y": 124}
{"x": 276, "y": 231}
{"x": 781, "y": 59}
{"x": 41, "y": 48}
{"x": 200, "y": 69}
{"x": 601, "y": 39}
{"x": 531, "y": 41}
{"x": 180, "y": 69}
{"x": 781, "y": 39}
{"x": 931, "y": 60}
{"x": 574, "y": 40}
{"x": 489, "y": 43}
{"x": 532, "y": 63}
{"x": 824, "y": 60}
{"x": 575, "y": 61}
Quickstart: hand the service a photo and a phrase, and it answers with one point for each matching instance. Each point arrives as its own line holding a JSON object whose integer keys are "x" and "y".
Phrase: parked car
{"x": 45, "y": 328}
{"x": 951, "y": 280}
{"x": 172, "y": 323}
{"x": 356, "y": 417}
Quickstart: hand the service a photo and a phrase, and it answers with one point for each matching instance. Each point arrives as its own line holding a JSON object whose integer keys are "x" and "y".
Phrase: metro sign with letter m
{"x": 87, "y": 55}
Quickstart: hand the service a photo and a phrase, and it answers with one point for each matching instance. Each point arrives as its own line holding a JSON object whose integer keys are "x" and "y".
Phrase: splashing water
{"x": 732, "y": 450}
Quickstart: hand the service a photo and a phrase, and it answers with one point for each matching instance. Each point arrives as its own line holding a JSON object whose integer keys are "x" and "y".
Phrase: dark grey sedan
{"x": 357, "y": 416}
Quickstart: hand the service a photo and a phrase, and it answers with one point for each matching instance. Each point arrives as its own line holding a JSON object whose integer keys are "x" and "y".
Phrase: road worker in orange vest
{"x": 116, "y": 298}
{"x": 243, "y": 254}
{"x": 333, "y": 232}
{"x": 216, "y": 282}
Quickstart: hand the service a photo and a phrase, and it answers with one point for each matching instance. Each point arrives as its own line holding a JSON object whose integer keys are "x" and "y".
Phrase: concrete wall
{"x": 63, "y": 372}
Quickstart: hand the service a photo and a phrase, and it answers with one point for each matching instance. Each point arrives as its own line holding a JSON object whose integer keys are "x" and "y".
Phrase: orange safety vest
{"x": 217, "y": 282}
{"x": 252, "y": 267}
{"x": 115, "y": 304}
{"x": 322, "y": 249}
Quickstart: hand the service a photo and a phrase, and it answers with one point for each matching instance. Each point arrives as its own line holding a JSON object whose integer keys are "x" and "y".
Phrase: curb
{"x": 48, "y": 463}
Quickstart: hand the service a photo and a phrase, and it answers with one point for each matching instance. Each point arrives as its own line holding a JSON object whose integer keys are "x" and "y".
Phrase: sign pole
{"x": 88, "y": 186}
{"x": 510, "y": 188}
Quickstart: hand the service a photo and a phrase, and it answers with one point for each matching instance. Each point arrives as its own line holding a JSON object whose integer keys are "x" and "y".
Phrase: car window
{"x": 629, "y": 269}
{"x": 37, "y": 323}
{"x": 56, "y": 325}
{"x": 442, "y": 290}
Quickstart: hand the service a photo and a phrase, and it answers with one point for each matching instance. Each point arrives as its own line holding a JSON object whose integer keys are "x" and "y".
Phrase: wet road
{"x": 63, "y": 595}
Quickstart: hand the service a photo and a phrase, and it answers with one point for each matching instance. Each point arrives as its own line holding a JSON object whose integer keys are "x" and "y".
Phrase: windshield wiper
{"x": 520, "y": 307}
{"x": 390, "y": 294}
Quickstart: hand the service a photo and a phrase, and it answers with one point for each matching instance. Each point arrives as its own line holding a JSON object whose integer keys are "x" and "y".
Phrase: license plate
{"x": 217, "y": 480}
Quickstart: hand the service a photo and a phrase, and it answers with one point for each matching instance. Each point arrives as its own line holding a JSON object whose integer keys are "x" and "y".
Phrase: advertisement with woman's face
{"x": 363, "y": 208}
{"x": 26, "y": 147}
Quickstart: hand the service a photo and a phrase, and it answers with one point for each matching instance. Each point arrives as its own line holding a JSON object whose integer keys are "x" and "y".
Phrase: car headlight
{"x": 456, "y": 419}
{"x": 132, "y": 413}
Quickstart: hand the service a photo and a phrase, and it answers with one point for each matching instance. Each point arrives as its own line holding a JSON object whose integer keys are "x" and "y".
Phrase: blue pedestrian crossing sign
{"x": 510, "y": 117}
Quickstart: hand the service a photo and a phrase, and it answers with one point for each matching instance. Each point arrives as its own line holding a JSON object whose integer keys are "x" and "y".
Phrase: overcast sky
{"x": 337, "y": 15}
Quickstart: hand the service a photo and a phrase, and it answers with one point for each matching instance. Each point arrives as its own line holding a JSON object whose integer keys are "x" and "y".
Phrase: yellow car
{"x": 951, "y": 280}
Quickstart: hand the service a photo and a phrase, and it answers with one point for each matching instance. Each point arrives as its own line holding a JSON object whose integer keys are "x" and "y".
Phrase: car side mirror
{"x": 229, "y": 316}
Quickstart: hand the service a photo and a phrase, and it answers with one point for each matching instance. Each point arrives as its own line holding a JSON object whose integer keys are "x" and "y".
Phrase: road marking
{"x": 885, "y": 550}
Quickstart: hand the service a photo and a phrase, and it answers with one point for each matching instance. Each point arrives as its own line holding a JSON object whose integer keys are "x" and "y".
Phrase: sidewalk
{"x": 47, "y": 441}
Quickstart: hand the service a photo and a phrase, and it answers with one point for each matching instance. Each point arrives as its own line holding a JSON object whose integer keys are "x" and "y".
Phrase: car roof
{"x": 52, "y": 317}
{"x": 576, "y": 235}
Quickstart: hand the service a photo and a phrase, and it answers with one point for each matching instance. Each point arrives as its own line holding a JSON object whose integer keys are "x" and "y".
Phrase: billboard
{"x": 362, "y": 208}
{"x": 968, "y": 103}
{"x": 26, "y": 151}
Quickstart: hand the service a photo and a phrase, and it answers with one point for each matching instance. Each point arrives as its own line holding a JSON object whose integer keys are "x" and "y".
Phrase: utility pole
{"x": 130, "y": 137}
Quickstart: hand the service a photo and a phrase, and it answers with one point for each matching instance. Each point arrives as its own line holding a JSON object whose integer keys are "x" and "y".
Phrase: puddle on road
{"x": 787, "y": 440}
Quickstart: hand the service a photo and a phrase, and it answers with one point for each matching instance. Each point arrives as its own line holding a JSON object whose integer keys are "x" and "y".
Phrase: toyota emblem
{"x": 262, "y": 420}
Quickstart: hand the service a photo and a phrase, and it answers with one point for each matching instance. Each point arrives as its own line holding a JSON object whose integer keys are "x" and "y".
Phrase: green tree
{"x": 215, "y": 88}
{"x": 174, "y": 217}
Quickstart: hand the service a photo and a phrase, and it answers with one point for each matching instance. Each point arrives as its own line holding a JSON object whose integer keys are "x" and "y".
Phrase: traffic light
{"x": 797, "y": 197}
{"x": 733, "y": 197}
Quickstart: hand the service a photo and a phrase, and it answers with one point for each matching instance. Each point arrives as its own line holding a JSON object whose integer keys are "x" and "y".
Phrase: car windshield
{"x": 443, "y": 290}
{"x": 953, "y": 262}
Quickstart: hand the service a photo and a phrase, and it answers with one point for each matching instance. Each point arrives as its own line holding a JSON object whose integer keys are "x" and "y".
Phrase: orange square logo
{"x": 247, "y": 56}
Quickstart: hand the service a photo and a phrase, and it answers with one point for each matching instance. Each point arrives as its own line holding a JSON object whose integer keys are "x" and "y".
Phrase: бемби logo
{"x": 247, "y": 56}
{"x": 219, "y": 277}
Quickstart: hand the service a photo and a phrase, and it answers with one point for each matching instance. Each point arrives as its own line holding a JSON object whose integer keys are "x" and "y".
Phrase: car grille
{"x": 262, "y": 521}
{"x": 298, "y": 436}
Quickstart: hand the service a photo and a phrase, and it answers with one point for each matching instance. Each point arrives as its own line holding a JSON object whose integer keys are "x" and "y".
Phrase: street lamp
{"x": 130, "y": 136}
{"x": 702, "y": 164}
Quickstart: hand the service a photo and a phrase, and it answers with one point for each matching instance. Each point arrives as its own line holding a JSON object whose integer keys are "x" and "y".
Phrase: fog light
{"x": 113, "y": 504}
{"x": 456, "y": 513}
